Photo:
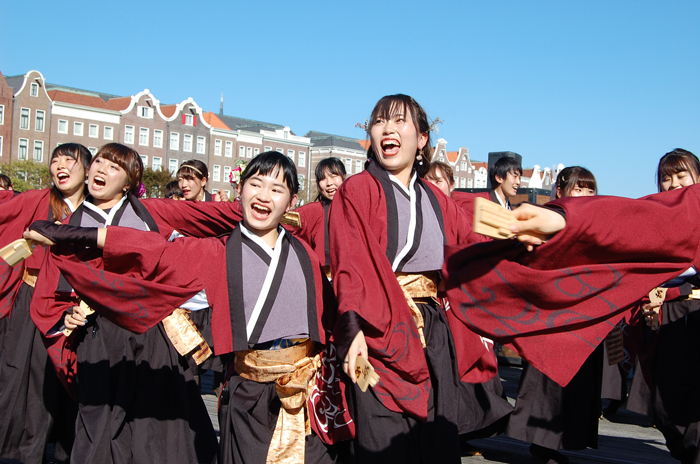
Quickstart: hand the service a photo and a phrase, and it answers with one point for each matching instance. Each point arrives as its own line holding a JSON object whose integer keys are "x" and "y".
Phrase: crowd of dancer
{"x": 106, "y": 327}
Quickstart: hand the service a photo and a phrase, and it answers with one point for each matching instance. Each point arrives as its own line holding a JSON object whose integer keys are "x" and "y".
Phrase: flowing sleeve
{"x": 556, "y": 304}
{"x": 195, "y": 219}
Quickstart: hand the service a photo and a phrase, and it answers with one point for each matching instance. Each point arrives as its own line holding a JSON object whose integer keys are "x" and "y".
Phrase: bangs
{"x": 126, "y": 158}
{"x": 271, "y": 163}
{"x": 587, "y": 182}
{"x": 186, "y": 172}
{"x": 390, "y": 106}
{"x": 333, "y": 170}
{"x": 673, "y": 164}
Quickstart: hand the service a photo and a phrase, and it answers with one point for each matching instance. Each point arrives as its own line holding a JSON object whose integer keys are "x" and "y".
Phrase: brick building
{"x": 349, "y": 150}
{"x": 6, "y": 101}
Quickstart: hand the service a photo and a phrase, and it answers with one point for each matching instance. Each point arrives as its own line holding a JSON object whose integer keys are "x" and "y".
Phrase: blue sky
{"x": 610, "y": 85}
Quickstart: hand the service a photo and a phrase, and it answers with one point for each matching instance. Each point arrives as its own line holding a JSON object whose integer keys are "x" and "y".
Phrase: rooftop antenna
{"x": 221, "y": 107}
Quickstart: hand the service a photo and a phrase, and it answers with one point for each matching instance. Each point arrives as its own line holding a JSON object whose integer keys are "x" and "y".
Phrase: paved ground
{"x": 627, "y": 438}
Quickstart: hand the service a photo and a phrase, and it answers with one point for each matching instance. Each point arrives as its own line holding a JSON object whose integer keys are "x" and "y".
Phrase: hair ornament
{"x": 191, "y": 167}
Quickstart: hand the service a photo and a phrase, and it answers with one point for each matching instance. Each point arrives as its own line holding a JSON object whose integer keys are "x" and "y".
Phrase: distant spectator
{"x": 5, "y": 182}
{"x": 173, "y": 191}
{"x": 442, "y": 176}
{"x": 192, "y": 177}
{"x": 505, "y": 180}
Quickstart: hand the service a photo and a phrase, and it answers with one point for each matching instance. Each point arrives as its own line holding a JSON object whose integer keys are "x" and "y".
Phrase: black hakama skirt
{"x": 484, "y": 409}
{"x": 556, "y": 417}
{"x": 138, "y": 403}
{"x": 676, "y": 398}
{"x": 384, "y": 436}
{"x": 248, "y": 413}
{"x": 33, "y": 403}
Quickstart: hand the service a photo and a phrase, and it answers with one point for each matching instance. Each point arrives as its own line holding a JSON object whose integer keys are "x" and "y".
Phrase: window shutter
{"x": 183, "y": 118}
{"x": 194, "y": 120}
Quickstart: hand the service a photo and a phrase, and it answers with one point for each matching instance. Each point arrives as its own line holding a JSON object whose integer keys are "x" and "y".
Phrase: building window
{"x": 200, "y": 145}
{"x": 256, "y": 152}
{"x": 62, "y": 126}
{"x": 302, "y": 159}
{"x": 463, "y": 166}
{"x": 229, "y": 149}
{"x": 188, "y": 120}
{"x": 34, "y": 90}
{"x": 128, "y": 134}
{"x": 268, "y": 148}
{"x": 93, "y": 131}
{"x": 241, "y": 152}
{"x": 144, "y": 160}
{"x": 469, "y": 183}
{"x": 461, "y": 182}
{"x": 187, "y": 142}
{"x": 2, "y": 114}
{"x": 158, "y": 138}
{"x": 290, "y": 155}
{"x": 157, "y": 163}
{"x": 302, "y": 181}
{"x": 348, "y": 165}
{"x": 78, "y": 129}
{"x": 109, "y": 133}
{"x": 92, "y": 150}
{"x": 143, "y": 136}
{"x": 249, "y": 152}
{"x": 172, "y": 166}
{"x": 145, "y": 112}
{"x": 23, "y": 147}
{"x": 24, "y": 118}
{"x": 217, "y": 147}
{"x": 227, "y": 173}
{"x": 174, "y": 141}
{"x": 358, "y": 166}
{"x": 39, "y": 121}
{"x": 280, "y": 150}
{"x": 217, "y": 173}
{"x": 38, "y": 151}
{"x": 0, "y": 145}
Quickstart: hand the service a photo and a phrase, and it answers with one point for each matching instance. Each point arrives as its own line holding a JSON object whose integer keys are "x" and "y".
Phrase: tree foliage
{"x": 27, "y": 175}
{"x": 155, "y": 181}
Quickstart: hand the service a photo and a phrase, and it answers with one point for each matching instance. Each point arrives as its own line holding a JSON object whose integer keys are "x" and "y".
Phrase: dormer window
{"x": 145, "y": 112}
{"x": 34, "y": 90}
{"x": 188, "y": 119}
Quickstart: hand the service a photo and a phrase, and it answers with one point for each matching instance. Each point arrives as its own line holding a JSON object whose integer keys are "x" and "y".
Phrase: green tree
{"x": 155, "y": 181}
{"x": 27, "y": 175}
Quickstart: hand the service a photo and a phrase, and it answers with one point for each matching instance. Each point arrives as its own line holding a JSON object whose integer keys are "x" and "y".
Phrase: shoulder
{"x": 361, "y": 183}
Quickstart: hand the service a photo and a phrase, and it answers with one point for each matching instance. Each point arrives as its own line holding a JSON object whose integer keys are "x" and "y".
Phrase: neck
{"x": 107, "y": 204}
{"x": 501, "y": 195}
{"x": 404, "y": 176}
{"x": 77, "y": 197}
{"x": 200, "y": 195}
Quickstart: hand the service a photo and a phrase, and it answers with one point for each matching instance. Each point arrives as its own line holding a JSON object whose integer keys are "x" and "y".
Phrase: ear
{"x": 239, "y": 187}
{"x": 499, "y": 179}
{"x": 292, "y": 202}
{"x": 452, "y": 186}
{"x": 422, "y": 140}
{"x": 559, "y": 192}
{"x": 204, "y": 182}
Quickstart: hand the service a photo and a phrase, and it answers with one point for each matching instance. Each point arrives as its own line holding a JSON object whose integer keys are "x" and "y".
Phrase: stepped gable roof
{"x": 322, "y": 139}
{"x": 213, "y": 120}
{"x": 82, "y": 99}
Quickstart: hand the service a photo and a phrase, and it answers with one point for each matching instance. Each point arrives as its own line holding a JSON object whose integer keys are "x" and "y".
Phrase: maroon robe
{"x": 139, "y": 284}
{"x": 15, "y": 217}
{"x": 366, "y": 285}
{"x": 465, "y": 200}
{"x": 556, "y": 304}
{"x": 6, "y": 195}
{"x": 314, "y": 228}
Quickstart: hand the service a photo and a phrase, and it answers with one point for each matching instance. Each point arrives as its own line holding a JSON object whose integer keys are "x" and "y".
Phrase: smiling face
{"x": 396, "y": 141}
{"x": 107, "y": 182}
{"x": 67, "y": 174}
{"x": 329, "y": 185}
{"x": 438, "y": 179}
{"x": 677, "y": 180}
{"x": 192, "y": 187}
{"x": 265, "y": 199}
{"x": 509, "y": 185}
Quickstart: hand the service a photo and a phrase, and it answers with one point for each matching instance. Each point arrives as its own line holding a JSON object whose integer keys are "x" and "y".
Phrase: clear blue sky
{"x": 610, "y": 85}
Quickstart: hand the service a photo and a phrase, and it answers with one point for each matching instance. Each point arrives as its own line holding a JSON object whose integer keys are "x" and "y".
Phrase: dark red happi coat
{"x": 556, "y": 304}
{"x": 15, "y": 217}
{"x": 465, "y": 200}
{"x": 313, "y": 228}
{"x": 365, "y": 284}
{"x": 6, "y": 195}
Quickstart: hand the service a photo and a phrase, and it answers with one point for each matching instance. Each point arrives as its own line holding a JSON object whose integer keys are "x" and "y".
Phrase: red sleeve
{"x": 15, "y": 216}
{"x": 195, "y": 219}
{"x": 6, "y": 195}
{"x": 312, "y": 230}
{"x": 465, "y": 201}
{"x": 557, "y": 303}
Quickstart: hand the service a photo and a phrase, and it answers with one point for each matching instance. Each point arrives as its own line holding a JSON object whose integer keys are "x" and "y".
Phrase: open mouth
{"x": 99, "y": 181}
{"x": 260, "y": 212}
{"x": 62, "y": 177}
{"x": 390, "y": 147}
